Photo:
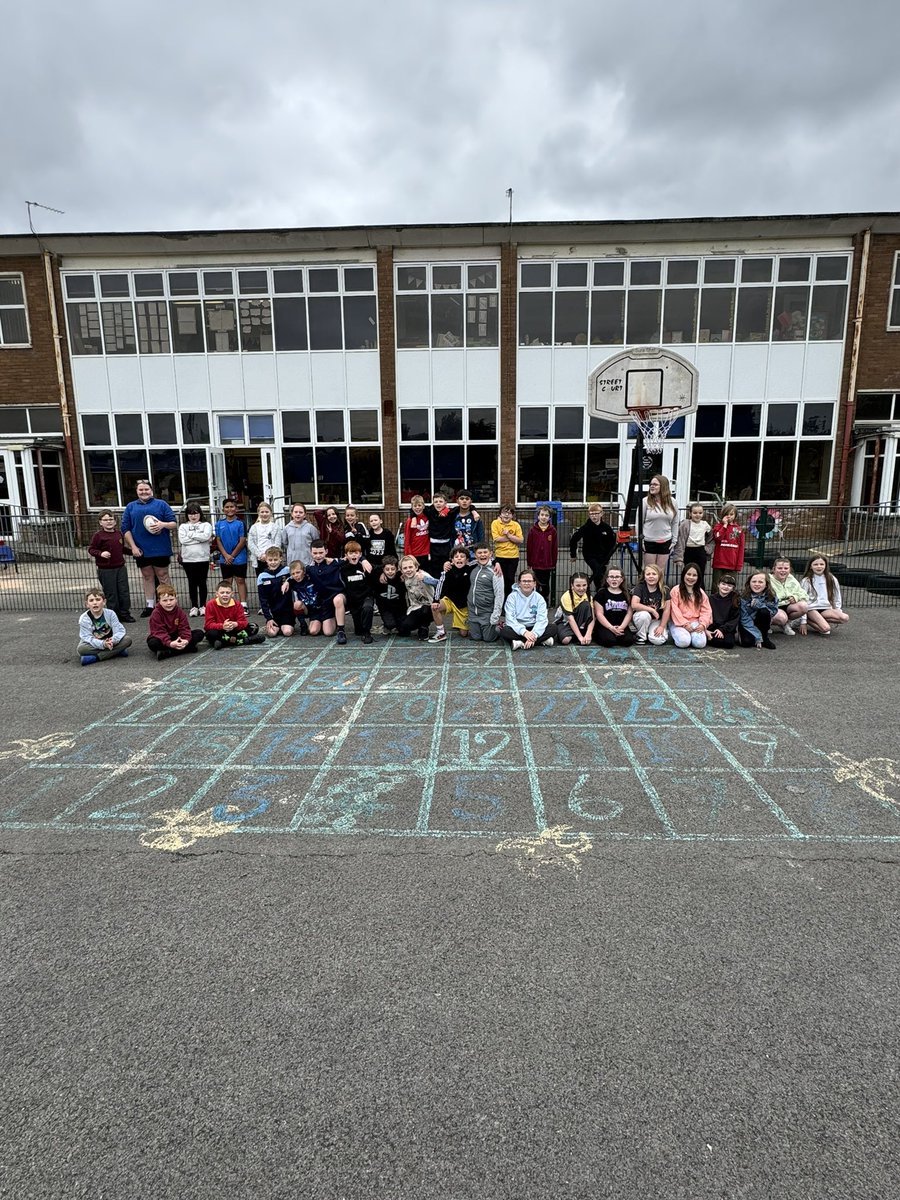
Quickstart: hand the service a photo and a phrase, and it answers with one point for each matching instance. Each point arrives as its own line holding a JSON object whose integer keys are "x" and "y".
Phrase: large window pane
{"x": 813, "y": 470}
{"x": 231, "y": 429}
{"x": 359, "y": 279}
{"x": 446, "y": 277}
{"x": 533, "y": 275}
{"x": 196, "y": 478}
{"x": 84, "y": 328}
{"x": 817, "y": 419}
{"x": 710, "y": 421}
{"x": 446, "y": 321}
{"x": 94, "y": 429}
{"x": 534, "y": 474}
{"x": 299, "y": 476}
{"x": 789, "y": 314}
{"x": 874, "y": 407}
{"x": 831, "y": 267}
{"x": 753, "y": 317}
{"x": 707, "y": 469}
{"x": 129, "y": 429}
{"x": 324, "y": 322}
{"x": 756, "y": 270}
{"x": 680, "y": 315}
{"x": 448, "y": 425}
{"x": 218, "y": 283}
{"x": 412, "y": 322}
{"x": 411, "y": 279}
{"x": 195, "y": 429}
{"x": 607, "y": 317}
{"x": 79, "y": 286}
{"x": 743, "y": 471}
{"x": 256, "y": 325}
{"x": 290, "y": 322}
{"x": 535, "y": 318}
{"x": 781, "y": 420}
{"x": 745, "y": 420}
{"x": 482, "y": 474}
{"x": 482, "y": 319}
{"x": 609, "y": 274}
{"x": 571, "y": 275}
{"x": 483, "y": 275}
{"x": 183, "y": 283}
{"x": 46, "y": 419}
{"x": 718, "y": 270}
{"x": 360, "y": 323}
{"x": 153, "y": 327}
{"x": 221, "y": 326}
{"x": 571, "y": 326}
{"x": 132, "y": 465}
{"x": 450, "y": 467}
{"x": 288, "y": 280}
{"x": 118, "y": 329}
{"x": 149, "y": 285}
{"x": 482, "y": 424}
{"x": 716, "y": 314}
{"x": 602, "y": 471}
{"x": 643, "y": 316}
{"x": 365, "y": 475}
{"x": 568, "y": 423}
{"x": 295, "y": 426}
{"x": 165, "y": 475}
{"x": 415, "y": 472}
{"x": 645, "y": 272}
{"x": 534, "y": 423}
{"x": 323, "y": 279}
{"x": 600, "y": 430}
{"x": 331, "y": 475}
{"x": 253, "y": 283}
{"x": 260, "y": 429}
{"x": 568, "y": 472}
{"x": 162, "y": 430}
{"x": 826, "y": 322}
{"x": 777, "y": 481}
{"x": 186, "y": 327}
{"x": 364, "y": 426}
{"x": 100, "y": 476}
{"x": 413, "y": 424}
{"x": 13, "y": 327}
{"x": 329, "y": 426}
{"x": 793, "y": 270}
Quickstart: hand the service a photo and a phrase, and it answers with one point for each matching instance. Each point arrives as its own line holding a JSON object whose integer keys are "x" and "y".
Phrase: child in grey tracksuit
{"x": 485, "y": 597}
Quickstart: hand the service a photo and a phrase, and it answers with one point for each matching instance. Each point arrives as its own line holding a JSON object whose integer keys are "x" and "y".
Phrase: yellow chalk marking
{"x": 553, "y": 847}
{"x": 180, "y": 829}
{"x": 874, "y": 775}
{"x": 37, "y": 749}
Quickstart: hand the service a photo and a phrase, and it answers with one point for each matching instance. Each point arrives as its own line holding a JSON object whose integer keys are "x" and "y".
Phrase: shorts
{"x": 460, "y": 615}
{"x": 657, "y": 547}
{"x": 153, "y": 560}
{"x": 233, "y": 570}
{"x": 324, "y": 610}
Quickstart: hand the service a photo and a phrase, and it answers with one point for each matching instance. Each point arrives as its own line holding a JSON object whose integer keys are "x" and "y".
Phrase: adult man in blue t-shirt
{"x": 146, "y": 525}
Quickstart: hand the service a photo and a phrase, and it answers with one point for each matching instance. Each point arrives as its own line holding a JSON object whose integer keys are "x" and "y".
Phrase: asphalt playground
{"x": 443, "y": 921}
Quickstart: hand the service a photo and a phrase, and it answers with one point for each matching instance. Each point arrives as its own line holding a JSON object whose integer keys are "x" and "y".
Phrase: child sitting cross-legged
{"x": 525, "y": 616}
{"x": 101, "y": 634}
{"x": 275, "y": 597}
{"x": 168, "y": 631}
{"x": 226, "y": 621}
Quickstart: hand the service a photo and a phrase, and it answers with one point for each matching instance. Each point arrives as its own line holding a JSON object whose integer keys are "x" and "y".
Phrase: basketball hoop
{"x": 654, "y": 425}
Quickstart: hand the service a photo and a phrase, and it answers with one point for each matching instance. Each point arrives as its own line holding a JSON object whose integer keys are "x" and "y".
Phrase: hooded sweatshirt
{"x": 485, "y": 593}
{"x": 523, "y": 612}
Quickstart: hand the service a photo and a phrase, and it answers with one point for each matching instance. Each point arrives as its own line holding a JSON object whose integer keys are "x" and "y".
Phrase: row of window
{"x": 256, "y": 281}
{"x": 683, "y": 272}
{"x": 877, "y": 406}
{"x": 234, "y": 429}
{"x": 38, "y": 420}
{"x": 774, "y": 419}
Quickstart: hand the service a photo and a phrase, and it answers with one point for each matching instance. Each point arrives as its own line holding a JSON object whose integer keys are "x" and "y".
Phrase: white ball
{"x": 151, "y": 523}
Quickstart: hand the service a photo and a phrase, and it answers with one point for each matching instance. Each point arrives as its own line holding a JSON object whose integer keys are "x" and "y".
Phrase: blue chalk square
{"x": 366, "y": 800}
{"x": 312, "y": 709}
{"x": 480, "y": 708}
{"x": 131, "y": 798}
{"x": 601, "y": 803}
{"x": 562, "y": 709}
{"x": 479, "y": 679}
{"x": 236, "y": 708}
{"x": 382, "y": 746}
{"x": 724, "y": 709}
{"x": 482, "y": 801}
{"x": 588, "y": 745}
{"x": 704, "y": 804}
{"x": 643, "y": 708}
{"x": 488, "y": 747}
{"x": 769, "y": 744}
{"x": 674, "y": 747}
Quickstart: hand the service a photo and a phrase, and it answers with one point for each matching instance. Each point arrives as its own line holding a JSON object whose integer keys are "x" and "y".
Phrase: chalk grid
{"x": 457, "y": 740}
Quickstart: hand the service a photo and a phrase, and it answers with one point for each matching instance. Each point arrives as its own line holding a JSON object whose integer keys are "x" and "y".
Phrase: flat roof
{"x": 347, "y": 237}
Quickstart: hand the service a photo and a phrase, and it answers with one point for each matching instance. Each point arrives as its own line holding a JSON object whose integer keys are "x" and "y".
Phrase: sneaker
{"x": 549, "y": 642}
{"x": 147, "y": 612}
{"x": 218, "y": 644}
{"x": 517, "y": 645}
{"x": 202, "y": 610}
{"x": 256, "y": 640}
{"x": 244, "y": 605}
{"x": 87, "y": 659}
{"x": 127, "y": 619}
{"x": 367, "y": 639}
{"x": 789, "y": 630}
{"x": 440, "y": 636}
{"x": 162, "y": 655}
{"x": 768, "y": 644}
{"x": 195, "y": 612}
{"x": 341, "y": 638}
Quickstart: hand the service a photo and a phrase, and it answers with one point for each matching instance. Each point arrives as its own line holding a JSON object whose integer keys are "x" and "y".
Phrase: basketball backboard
{"x": 643, "y": 379}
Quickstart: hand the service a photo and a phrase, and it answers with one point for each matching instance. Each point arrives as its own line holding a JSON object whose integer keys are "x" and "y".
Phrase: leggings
{"x": 698, "y": 556}
{"x": 509, "y": 634}
{"x": 509, "y": 567}
{"x": 197, "y": 574}
{"x": 684, "y": 637}
{"x": 605, "y": 637}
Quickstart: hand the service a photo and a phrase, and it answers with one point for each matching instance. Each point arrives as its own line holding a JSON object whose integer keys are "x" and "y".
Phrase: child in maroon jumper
{"x": 728, "y": 555}
{"x": 107, "y": 549}
{"x": 169, "y": 632}
{"x": 226, "y": 622}
{"x": 542, "y": 551}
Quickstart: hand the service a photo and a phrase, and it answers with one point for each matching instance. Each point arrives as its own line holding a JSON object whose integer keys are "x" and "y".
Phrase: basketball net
{"x": 654, "y": 426}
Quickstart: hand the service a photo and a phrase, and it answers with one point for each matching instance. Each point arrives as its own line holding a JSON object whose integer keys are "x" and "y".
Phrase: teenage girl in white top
{"x": 660, "y": 523}
{"x": 824, "y": 591}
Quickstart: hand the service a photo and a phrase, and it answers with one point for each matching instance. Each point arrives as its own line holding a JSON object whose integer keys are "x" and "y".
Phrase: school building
{"x": 368, "y": 364}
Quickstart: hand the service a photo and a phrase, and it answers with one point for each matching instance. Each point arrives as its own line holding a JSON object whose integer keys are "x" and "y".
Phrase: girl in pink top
{"x": 690, "y": 613}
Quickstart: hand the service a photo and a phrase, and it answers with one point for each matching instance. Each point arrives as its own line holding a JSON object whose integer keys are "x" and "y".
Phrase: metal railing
{"x": 44, "y": 564}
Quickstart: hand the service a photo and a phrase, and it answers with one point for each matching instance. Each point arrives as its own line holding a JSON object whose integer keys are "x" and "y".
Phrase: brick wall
{"x": 28, "y": 375}
{"x": 879, "y": 360}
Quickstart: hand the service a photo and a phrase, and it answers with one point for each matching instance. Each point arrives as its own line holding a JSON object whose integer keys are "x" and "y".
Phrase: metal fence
{"x": 44, "y": 565}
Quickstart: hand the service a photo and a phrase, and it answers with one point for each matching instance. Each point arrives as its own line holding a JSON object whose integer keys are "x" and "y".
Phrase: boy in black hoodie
{"x": 275, "y": 600}
{"x": 360, "y": 602}
{"x": 598, "y": 542}
{"x": 390, "y": 594}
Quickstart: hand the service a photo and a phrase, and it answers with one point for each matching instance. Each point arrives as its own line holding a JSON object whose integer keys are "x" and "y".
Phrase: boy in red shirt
{"x": 728, "y": 555}
{"x": 416, "y": 539}
{"x": 169, "y": 632}
{"x": 107, "y": 549}
{"x": 226, "y": 622}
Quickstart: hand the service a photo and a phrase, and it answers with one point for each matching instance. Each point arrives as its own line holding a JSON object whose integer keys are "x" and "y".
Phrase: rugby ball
{"x": 150, "y": 523}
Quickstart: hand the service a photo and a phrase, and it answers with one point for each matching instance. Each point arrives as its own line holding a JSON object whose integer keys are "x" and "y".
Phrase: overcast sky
{"x": 195, "y": 114}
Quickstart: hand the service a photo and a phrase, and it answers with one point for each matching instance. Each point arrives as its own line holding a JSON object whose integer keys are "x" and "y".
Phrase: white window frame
{"x": 15, "y": 308}
{"x": 894, "y": 294}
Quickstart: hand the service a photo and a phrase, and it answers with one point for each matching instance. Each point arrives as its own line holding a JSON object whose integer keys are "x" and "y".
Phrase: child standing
{"x": 381, "y": 542}
{"x": 231, "y": 540}
{"x": 168, "y": 630}
{"x": 225, "y": 621}
{"x": 690, "y": 614}
{"x": 331, "y": 531}
{"x": 598, "y": 541}
{"x": 660, "y": 523}
{"x": 576, "y": 613}
{"x": 484, "y": 603}
{"x": 414, "y": 533}
{"x": 298, "y": 535}
{"x": 758, "y": 607}
{"x": 526, "y": 623}
{"x": 275, "y": 599}
{"x": 441, "y": 530}
{"x": 728, "y": 545}
{"x": 506, "y": 535}
{"x": 612, "y": 608}
{"x": 726, "y": 610}
{"x": 355, "y": 531}
{"x": 468, "y": 527}
{"x": 107, "y": 549}
{"x": 824, "y": 592}
{"x": 194, "y": 538}
{"x": 695, "y": 542}
{"x": 360, "y": 603}
{"x": 542, "y": 551}
{"x": 262, "y": 534}
{"x": 101, "y": 634}
{"x": 650, "y": 608}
